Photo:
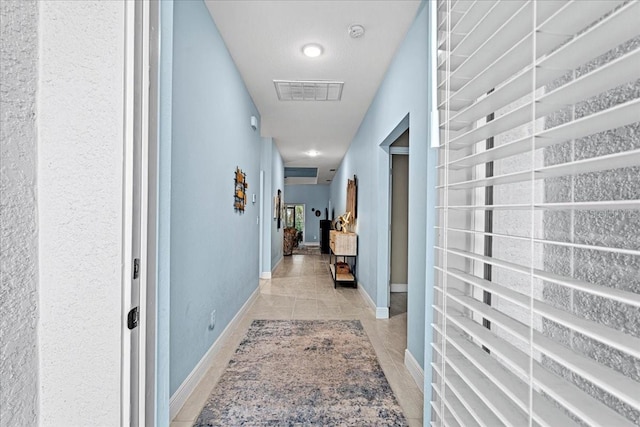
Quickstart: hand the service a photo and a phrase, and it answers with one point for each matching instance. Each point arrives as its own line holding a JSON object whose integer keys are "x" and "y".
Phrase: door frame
{"x": 383, "y": 278}
{"x": 394, "y": 151}
{"x": 141, "y": 119}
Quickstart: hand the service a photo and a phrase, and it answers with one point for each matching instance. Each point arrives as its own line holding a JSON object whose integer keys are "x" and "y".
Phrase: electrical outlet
{"x": 212, "y": 320}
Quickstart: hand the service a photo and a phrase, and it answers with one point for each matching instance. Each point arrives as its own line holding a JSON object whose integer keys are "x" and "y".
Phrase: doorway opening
{"x": 294, "y": 218}
{"x": 399, "y": 224}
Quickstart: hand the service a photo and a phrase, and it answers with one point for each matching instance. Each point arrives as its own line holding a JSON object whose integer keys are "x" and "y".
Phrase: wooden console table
{"x": 344, "y": 246}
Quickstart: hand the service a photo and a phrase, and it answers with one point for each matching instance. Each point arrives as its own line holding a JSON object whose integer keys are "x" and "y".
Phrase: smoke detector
{"x": 356, "y": 31}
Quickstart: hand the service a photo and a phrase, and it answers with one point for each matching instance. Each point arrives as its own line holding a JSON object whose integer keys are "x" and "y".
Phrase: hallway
{"x": 301, "y": 288}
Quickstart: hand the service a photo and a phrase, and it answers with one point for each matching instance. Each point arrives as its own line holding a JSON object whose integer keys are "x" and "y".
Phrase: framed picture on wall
{"x": 278, "y": 208}
{"x": 275, "y": 207}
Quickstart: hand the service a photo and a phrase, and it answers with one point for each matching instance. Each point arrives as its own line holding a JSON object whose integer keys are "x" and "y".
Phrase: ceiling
{"x": 265, "y": 39}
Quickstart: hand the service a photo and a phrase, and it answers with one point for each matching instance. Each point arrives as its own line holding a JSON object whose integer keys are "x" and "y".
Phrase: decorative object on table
{"x": 352, "y": 197}
{"x": 342, "y": 222}
{"x": 303, "y": 372}
{"x": 289, "y": 240}
{"x": 240, "y": 191}
{"x": 342, "y": 268}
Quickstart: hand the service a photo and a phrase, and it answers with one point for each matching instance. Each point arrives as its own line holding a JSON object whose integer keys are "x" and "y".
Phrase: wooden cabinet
{"x": 325, "y": 228}
{"x": 343, "y": 257}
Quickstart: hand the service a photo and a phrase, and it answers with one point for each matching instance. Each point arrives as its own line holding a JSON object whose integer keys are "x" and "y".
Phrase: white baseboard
{"x": 399, "y": 287}
{"x": 177, "y": 401}
{"x": 267, "y": 274}
{"x": 381, "y": 312}
{"x": 277, "y": 264}
{"x": 366, "y": 296}
{"x": 412, "y": 365}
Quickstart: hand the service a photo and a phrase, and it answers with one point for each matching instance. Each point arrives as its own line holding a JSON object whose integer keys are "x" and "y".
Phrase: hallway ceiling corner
{"x": 265, "y": 39}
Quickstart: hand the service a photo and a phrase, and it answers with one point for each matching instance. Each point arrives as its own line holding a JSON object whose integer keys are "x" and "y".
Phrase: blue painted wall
{"x": 402, "y": 95}
{"x": 277, "y": 181}
{"x": 273, "y": 172}
{"x": 214, "y": 250}
{"x": 313, "y": 197}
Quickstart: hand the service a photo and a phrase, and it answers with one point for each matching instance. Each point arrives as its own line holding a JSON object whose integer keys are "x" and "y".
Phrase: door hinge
{"x": 132, "y": 318}
{"x": 136, "y": 268}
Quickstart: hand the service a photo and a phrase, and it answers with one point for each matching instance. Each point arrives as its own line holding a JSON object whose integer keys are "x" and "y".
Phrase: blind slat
{"x": 519, "y": 330}
{"x": 572, "y": 397}
{"x": 617, "y": 28}
{"x": 611, "y": 249}
{"x": 534, "y": 310}
{"x": 486, "y": 40}
{"x": 598, "y": 205}
{"x": 472, "y": 17}
{"x": 575, "y": 15}
{"x": 594, "y": 164}
{"x": 613, "y": 74}
{"x": 598, "y": 332}
{"x": 464, "y": 388}
{"x": 613, "y": 30}
{"x": 461, "y": 414}
{"x": 606, "y": 378}
{"x": 609, "y": 336}
{"x": 612, "y": 294}
{"x": 544, "y": 412}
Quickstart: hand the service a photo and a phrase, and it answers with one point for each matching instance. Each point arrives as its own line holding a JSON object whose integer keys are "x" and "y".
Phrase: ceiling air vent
{"x": 308, "y": 90}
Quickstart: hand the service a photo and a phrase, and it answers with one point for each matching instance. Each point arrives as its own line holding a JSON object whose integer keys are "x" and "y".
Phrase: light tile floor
{"x": 301, "y": 288}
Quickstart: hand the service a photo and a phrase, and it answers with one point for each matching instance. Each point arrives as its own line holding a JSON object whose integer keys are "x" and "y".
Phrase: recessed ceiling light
{"x": 312, "y": 50}
{"x": 313, "y": 153}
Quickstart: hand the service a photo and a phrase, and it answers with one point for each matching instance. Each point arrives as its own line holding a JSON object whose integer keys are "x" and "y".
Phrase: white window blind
{"x": 537, "y": 291}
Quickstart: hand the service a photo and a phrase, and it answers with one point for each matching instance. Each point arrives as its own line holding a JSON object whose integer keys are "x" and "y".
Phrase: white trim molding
{"x": 381, "y": 312}
{"x": 268, "y": 274}
{"x": 416, "y": 372}
{"x": 183, "y": 392}
{"x": 399, "y": 287}
{"x": 404, "y": 151}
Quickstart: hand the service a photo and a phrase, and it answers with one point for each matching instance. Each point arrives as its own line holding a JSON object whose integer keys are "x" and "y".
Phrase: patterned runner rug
{"x": 302, "y": 373}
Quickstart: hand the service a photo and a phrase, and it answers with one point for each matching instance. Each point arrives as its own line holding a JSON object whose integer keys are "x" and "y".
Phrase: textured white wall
{"x": 80, "y": 156}
{"x": 18, "y": 237}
